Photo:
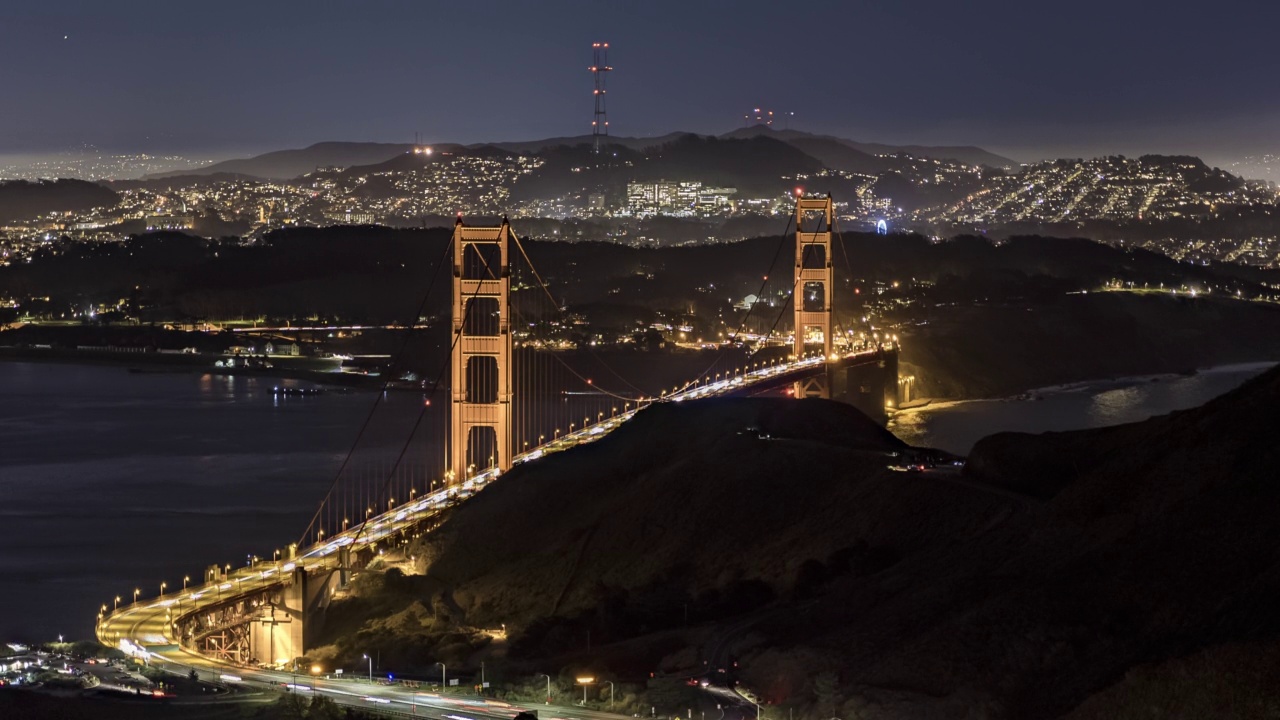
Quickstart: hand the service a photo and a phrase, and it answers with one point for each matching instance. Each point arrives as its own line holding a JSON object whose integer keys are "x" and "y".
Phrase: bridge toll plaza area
{"x": 250, "y": 624}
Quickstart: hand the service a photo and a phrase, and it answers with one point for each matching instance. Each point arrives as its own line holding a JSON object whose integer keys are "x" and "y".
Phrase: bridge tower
{"x": 814, "y": 278}
{"x": 482, "y": 355}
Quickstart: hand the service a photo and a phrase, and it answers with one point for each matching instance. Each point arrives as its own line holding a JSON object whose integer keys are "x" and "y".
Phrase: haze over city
{"x": 219, "y": 79}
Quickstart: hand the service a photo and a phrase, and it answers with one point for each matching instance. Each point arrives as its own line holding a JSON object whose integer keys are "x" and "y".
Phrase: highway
{"x": 146, "y": 628}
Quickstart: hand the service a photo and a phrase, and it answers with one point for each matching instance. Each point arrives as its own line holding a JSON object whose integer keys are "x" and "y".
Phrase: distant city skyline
{"x": 238, "y": 78}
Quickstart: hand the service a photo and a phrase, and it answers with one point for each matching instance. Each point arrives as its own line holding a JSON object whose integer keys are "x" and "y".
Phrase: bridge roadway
{"x": 146, "y": 628}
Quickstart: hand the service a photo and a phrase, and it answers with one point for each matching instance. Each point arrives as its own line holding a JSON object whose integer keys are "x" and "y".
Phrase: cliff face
{"x": 1094, "y": 566}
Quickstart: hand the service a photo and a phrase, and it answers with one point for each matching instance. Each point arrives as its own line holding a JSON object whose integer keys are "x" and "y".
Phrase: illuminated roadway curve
{"x": 146, "y": 627}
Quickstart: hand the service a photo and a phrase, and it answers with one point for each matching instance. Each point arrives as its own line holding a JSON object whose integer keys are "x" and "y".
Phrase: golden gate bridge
{"x": 511, "y": 399}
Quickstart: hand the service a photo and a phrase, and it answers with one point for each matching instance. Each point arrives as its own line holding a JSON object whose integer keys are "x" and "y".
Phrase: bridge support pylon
{"x": 289, "y": 620}
{"x": 481, "y": 335}
{"x": 277, "y": 634}
{"x": 814, "y": 284}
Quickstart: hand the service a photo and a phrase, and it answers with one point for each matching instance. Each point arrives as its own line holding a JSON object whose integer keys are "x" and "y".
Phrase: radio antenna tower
{"x": 600, "y": 121}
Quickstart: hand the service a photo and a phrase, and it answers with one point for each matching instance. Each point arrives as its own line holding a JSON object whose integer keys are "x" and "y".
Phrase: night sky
{"x": 1023, "y": 78}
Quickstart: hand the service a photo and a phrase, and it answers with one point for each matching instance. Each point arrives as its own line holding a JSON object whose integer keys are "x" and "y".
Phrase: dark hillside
{"x": 1155, "y": 541}
{"x": 752, "y": 165}
{"x": 755, "y": 166}
{"x": 998, "y": 350}
{"x": 170, "y": 182}
{"x": 690, "y": 485}
{"x": 968, "y": 154}
{"x": 978, "y": 319}
{"x": 286, "y": 164}
{"x": 409, "y": 161}
{"x": 1101, "y": 565}
{"x": 839, "y": 156}
{"x": 538, "y": 146}
{"x": 23, "y": 200}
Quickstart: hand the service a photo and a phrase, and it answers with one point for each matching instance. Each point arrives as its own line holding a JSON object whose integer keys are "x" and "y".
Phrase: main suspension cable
{"x": 378, "y": 400}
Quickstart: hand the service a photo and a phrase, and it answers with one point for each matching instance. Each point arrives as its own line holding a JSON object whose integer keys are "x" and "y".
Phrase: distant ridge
{"x": 286, "y": 164}
{"x": 163, "y": 181}
{"x": 968, "y": 154}
{"x": 834, "y": 152}
{"x": 533, "y": 146}
{"x": 405, "y": 161}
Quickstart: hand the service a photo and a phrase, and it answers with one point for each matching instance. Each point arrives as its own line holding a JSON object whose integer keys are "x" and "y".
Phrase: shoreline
{"x": 1034, "y": 394}
{"x": 1130, "y": 380}
{"x": 153, "y": 363}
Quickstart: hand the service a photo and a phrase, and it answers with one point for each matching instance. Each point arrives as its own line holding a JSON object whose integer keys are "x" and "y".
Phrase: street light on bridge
{"x": 117, "y": 605}
{"x": 185, "y": 579}
{"x": 163, "y": 585}
{"x": 136, "y": 593}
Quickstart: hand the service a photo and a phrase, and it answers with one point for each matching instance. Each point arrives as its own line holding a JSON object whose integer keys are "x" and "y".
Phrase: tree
{"x": 826, "y": 690}
{"x": 288, "y": 707}
{"x": 322, "y": 708}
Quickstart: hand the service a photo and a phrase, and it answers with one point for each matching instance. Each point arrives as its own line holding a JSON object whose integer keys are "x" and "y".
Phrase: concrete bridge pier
{"x": 277, "y": 634}
{"x": 285, "y": 629}
{"x": 871, "y": 385}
